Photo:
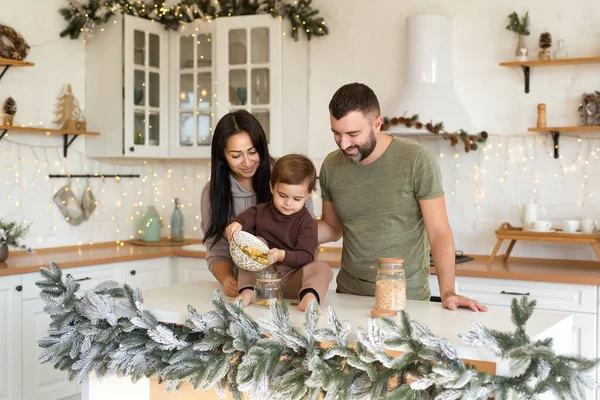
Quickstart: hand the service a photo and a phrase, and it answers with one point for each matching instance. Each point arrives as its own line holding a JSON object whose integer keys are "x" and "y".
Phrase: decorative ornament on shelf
{"x": 561, "y": 51}
{"x": 541, "y": 119}
{"x": 545, "y": 43}
{"x": 589, "y": 109}
{"x": 10, "y": 235}
{"x": 520, "y": 27}
{"x": 470, "y": 141}
{"x": 9, "y": 109}
{"x": 83, "y": 18}
{"x": 12, "y": 44}
{"x": 226, "y": 349}
{"x": 68, "y": 113}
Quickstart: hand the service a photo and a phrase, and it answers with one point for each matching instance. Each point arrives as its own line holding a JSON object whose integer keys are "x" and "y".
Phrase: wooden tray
{"x": 164, "y": 242}
{"x": 513, "y": 233}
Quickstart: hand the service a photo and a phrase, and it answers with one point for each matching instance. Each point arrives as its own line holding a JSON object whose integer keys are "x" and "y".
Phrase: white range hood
{"x": 428, "y": 89}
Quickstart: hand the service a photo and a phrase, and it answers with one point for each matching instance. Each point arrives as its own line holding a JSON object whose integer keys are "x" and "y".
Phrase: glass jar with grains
{"x": 390, "y": 284}
{"x": 268, "y": 286}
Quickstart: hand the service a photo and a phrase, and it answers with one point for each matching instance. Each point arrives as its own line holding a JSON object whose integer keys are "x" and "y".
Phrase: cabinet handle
{"x": 87, "y": 278}
{"x": 19, "y": 288}
{"x": 516, "y": 293}
{"x": 132, "y": 148}
{"x": 132, "y": 272}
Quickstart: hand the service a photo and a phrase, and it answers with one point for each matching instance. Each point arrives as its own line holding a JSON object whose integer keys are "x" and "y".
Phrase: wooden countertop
{"x": 526, "y": 269}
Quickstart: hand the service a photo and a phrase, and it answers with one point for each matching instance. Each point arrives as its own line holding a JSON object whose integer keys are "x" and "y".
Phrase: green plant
{"x": 11, "y": 233}
{"x": 520, "y": 26}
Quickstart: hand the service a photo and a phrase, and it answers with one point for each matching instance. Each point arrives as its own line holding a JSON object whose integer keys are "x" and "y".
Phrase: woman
{"x": 239, "y": 178}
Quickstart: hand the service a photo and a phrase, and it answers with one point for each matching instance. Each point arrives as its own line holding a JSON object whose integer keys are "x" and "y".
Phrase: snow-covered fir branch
{"x": 227, "y": 350}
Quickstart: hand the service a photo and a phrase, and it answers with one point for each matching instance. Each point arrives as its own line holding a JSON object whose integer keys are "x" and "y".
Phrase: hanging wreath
{"x": 85, "y": 17}
{"x": 470, "y": 141}
{"x": 12, "y": 44}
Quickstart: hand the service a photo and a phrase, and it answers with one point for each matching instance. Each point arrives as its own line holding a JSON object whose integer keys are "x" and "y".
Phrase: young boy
{"x": 290, "y": 232}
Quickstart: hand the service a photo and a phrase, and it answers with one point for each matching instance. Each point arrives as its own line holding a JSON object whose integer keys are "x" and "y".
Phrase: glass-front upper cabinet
{"x": 248, "y": 71}
{"x": 146, "y": 73}
{"x": 193, "y": 96}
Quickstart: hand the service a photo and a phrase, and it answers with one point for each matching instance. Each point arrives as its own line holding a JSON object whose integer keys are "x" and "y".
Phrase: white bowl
{"x": 243, "y": 260}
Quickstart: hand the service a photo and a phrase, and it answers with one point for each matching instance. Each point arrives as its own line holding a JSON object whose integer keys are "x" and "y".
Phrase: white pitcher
{"x": 529, "y": 213}
{"x": 588, "y": 225}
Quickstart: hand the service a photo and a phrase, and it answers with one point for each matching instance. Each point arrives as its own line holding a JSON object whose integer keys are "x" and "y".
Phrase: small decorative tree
{"x": 10, "y": 235}
{"x": 521, "y": 27}
{"x": 9, "y": 109}
{"x": 67, "y": 110}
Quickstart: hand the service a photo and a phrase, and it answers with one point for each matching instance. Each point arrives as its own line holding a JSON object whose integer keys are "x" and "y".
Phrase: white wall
{"x": 365, "y": 44}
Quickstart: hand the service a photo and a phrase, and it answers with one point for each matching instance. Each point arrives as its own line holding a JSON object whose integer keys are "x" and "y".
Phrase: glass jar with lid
{"x": 268, "y": 286}
{"x": 390, "y": 284}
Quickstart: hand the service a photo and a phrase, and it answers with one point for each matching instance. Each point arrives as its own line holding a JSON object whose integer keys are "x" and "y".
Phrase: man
{"x": 385, "y": 196}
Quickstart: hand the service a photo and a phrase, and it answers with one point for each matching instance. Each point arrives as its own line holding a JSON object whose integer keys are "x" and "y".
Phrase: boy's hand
{"x": 247, "y": 297}
{"x": 278, "y": 255}
{"x": 231, "y": 229}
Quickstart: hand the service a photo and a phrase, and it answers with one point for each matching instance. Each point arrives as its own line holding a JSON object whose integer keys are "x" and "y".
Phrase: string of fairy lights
{"x": 519, "y": 166}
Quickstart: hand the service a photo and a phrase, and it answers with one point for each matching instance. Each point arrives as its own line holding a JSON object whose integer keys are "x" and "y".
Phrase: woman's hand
{"x": 230, "y": 286}
{"x": 231, "y": 229}
{"x": 278, "y": 255}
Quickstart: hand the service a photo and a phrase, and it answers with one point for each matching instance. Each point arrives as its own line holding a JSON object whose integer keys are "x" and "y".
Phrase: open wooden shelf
{"x": 544, "y": 63}
{"x": 566, "y": 129}
{"x": 48, "y": 131}
{"x": 15, "y": 63}
{"x": 526, "y": 65}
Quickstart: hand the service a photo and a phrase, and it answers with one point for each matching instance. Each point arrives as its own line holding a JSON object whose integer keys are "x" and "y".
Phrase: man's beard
{"x": 364, "y": 150}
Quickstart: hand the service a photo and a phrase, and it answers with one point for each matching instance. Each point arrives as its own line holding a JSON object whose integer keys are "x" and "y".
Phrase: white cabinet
{"x": 127, "y": 89}
{"x": 154, "y": 93}
{"x": 189, "y": 269}
{"x": 148, "y": 274}
{"x": 10, "y": 337}
{"x": 42, "y": 381}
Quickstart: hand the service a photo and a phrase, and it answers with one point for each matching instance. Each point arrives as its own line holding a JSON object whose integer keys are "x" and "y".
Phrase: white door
{"x": 42, "y": 382}
{"x": 192, "y": 91}
{"x": 146, "y": 77}
{"x": 148, "y": 274}
{"x": 10, "y": 337}
{"x": 249, "y": 63}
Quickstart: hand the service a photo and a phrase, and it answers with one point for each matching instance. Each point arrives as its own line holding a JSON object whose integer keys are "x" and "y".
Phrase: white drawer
{"x": 88, "y": 277}
{"x": 549, "y": 296}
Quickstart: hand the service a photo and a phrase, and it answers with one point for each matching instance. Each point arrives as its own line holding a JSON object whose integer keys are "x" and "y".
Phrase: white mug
{"x": 587, "y": 225}
{"x": 541, "y": 225}
{"x": 570, "y": 226}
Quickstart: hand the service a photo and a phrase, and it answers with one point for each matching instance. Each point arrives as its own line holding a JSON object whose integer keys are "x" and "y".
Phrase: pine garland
{"x": 85, "y": 17}
{"x": 226, "y": 349}
{"x": 470, "y": 141}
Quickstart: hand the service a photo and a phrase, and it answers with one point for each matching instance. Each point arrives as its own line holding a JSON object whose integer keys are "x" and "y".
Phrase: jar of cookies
{"x": 390, "y": 284}
{"x": 268, "y": 286}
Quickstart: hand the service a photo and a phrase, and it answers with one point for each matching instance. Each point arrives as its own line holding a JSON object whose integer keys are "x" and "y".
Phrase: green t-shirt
{"x": 378, "y": 205}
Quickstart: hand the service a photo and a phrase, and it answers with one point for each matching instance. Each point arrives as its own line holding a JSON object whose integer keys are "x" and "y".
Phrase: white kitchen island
{"x": 169, "y": 304}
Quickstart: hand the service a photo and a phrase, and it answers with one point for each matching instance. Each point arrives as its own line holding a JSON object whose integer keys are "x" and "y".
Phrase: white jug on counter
{"x": 529, "y": 213}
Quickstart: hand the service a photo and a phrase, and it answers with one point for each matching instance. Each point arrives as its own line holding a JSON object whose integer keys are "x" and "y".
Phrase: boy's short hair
{"x": 294, "y": 169}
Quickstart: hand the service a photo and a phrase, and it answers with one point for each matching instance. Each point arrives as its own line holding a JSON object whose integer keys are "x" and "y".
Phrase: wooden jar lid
{"x": 383, "y": 313}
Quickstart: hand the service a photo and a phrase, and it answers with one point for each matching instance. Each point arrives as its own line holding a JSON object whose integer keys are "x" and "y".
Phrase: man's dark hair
{"x": 354, "y": 97}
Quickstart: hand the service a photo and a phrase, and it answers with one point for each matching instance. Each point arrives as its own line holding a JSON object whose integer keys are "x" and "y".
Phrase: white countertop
{"x": 169, "y": 304}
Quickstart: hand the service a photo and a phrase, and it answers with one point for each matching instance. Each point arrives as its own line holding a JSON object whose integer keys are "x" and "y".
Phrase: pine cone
{"x": 418, "y": 125}
{"x": 10, "y": 106}
{"x": 429, "y": 127}
{"x": 401, "y": 120}
{"x": 394, "y": 121}
{"x": 545, "y": 40}
{"x": 385, "y": 127}
{"x": 408, "y": 122}
{"x": 484, "y": 134}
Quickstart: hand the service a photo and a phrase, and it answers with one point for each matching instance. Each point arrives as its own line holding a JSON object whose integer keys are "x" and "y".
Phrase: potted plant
{"x": 9, "y": 109}
{"x": 10, "y": 235}
{"x": 521, "y": 27}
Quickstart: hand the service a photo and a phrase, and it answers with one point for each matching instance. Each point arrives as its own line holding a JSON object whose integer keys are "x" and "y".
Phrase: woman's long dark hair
{"x": 221, "y": 198}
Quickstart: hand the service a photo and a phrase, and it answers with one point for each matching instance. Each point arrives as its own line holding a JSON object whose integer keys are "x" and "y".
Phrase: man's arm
{"x": 329, "y": 226}
{"x": 441, "y": 241}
